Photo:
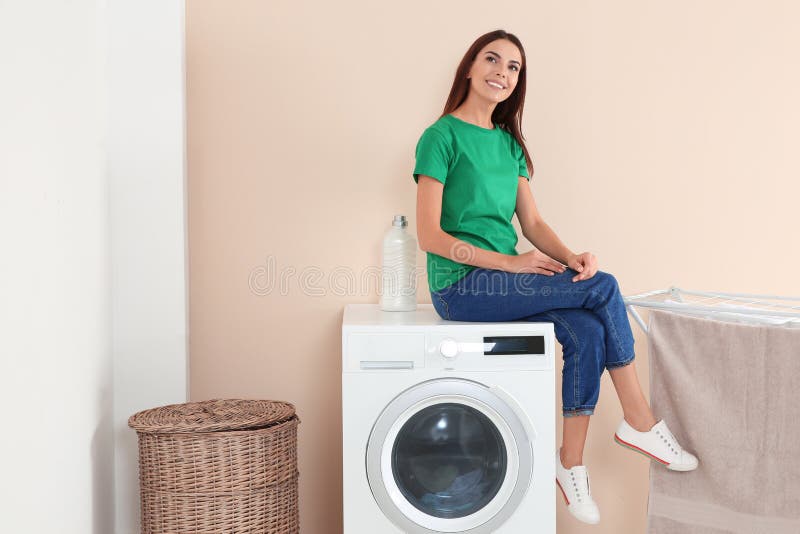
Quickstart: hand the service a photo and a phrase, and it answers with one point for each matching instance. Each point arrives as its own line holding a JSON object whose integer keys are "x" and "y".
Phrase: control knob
{"x": 448, "y": 348}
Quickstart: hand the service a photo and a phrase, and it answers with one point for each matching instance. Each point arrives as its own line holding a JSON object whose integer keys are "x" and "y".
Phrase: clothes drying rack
{"x": 738, "y": 307}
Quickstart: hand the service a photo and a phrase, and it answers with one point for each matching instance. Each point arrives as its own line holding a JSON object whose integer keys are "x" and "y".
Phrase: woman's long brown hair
{"x": 508, "y": 113}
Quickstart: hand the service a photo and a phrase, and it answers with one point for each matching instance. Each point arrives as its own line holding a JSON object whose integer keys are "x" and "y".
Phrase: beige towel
{"x": 731, "y": 394}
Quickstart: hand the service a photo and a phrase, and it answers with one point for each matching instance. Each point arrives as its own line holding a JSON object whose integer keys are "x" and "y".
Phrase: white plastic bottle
{"x": 398, "y": 276}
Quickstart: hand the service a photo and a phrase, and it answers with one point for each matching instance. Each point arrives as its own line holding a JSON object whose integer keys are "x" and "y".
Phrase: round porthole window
{"x": 449, "y": 460}
{"x": 447, "y": 456}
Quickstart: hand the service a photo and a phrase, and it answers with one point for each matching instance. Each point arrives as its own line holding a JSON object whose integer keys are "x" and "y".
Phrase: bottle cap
{"x": 400, "y": 221}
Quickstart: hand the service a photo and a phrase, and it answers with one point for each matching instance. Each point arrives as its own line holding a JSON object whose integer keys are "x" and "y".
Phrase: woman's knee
{"x": 605, "y": 278}
{"x": 604, "y": 287}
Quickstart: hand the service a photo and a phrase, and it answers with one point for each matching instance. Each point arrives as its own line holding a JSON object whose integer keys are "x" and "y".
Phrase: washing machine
{"x": 448, "y": 427}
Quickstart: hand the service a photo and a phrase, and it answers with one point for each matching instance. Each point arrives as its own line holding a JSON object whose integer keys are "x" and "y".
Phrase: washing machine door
{"x": 450, "y": 455}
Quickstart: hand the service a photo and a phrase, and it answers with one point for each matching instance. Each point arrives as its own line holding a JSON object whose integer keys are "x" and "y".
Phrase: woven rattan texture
{"x": 211, "y": 416}
{"x": 227, "y": 482}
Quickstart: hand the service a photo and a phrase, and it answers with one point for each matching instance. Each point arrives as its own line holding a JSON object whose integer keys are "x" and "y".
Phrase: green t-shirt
{"x": 480, "y": 170}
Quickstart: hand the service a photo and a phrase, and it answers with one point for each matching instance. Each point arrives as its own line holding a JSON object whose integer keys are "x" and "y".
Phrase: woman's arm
{"x": 545, "y": 239}
{"x": 534, "y": 228}
{"x": 433, "y": 239}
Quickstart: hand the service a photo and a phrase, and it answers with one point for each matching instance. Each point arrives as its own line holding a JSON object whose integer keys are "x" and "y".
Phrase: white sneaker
{"x": 574, "y": 484}
{"x": 658, "y": 444}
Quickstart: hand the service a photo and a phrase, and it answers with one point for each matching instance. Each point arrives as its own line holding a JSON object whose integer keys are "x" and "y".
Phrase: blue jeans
{"x": 589, "y": 317}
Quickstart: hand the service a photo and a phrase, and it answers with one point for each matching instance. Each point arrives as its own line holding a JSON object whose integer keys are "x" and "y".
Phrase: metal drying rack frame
{"x": 677, "y": 294}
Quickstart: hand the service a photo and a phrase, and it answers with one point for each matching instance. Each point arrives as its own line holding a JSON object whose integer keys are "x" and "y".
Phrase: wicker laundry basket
{"x": 218, "y": 466}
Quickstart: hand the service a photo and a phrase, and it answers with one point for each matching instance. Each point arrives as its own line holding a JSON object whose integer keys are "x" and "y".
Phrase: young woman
{"x": 472, "y": 170}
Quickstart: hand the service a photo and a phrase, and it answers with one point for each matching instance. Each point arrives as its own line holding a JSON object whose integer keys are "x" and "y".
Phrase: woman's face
{"x": 495, "y": 71}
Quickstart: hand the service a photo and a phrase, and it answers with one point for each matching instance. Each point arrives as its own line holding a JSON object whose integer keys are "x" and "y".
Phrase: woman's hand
{"x": 585, "y": 264}
{"x": 534, "y": 262}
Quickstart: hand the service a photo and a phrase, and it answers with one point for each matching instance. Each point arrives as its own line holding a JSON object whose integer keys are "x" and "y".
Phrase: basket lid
{"x": 211, "y": 416}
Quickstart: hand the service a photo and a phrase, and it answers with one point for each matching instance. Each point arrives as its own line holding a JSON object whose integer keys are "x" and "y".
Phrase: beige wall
{"x": 665, "y": 141}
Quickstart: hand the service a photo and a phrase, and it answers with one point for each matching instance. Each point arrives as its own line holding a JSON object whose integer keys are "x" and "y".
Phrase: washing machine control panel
{"x": 376, "y": 341}
{"x": 501, "y": 350}
{"x": 497, "y": 346}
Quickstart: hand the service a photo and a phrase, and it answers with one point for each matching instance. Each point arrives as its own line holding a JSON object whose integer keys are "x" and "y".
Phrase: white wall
{"x": 146, "y": 196}
{"x": 92, "y": 253}
{"x": 56, "y": 453}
